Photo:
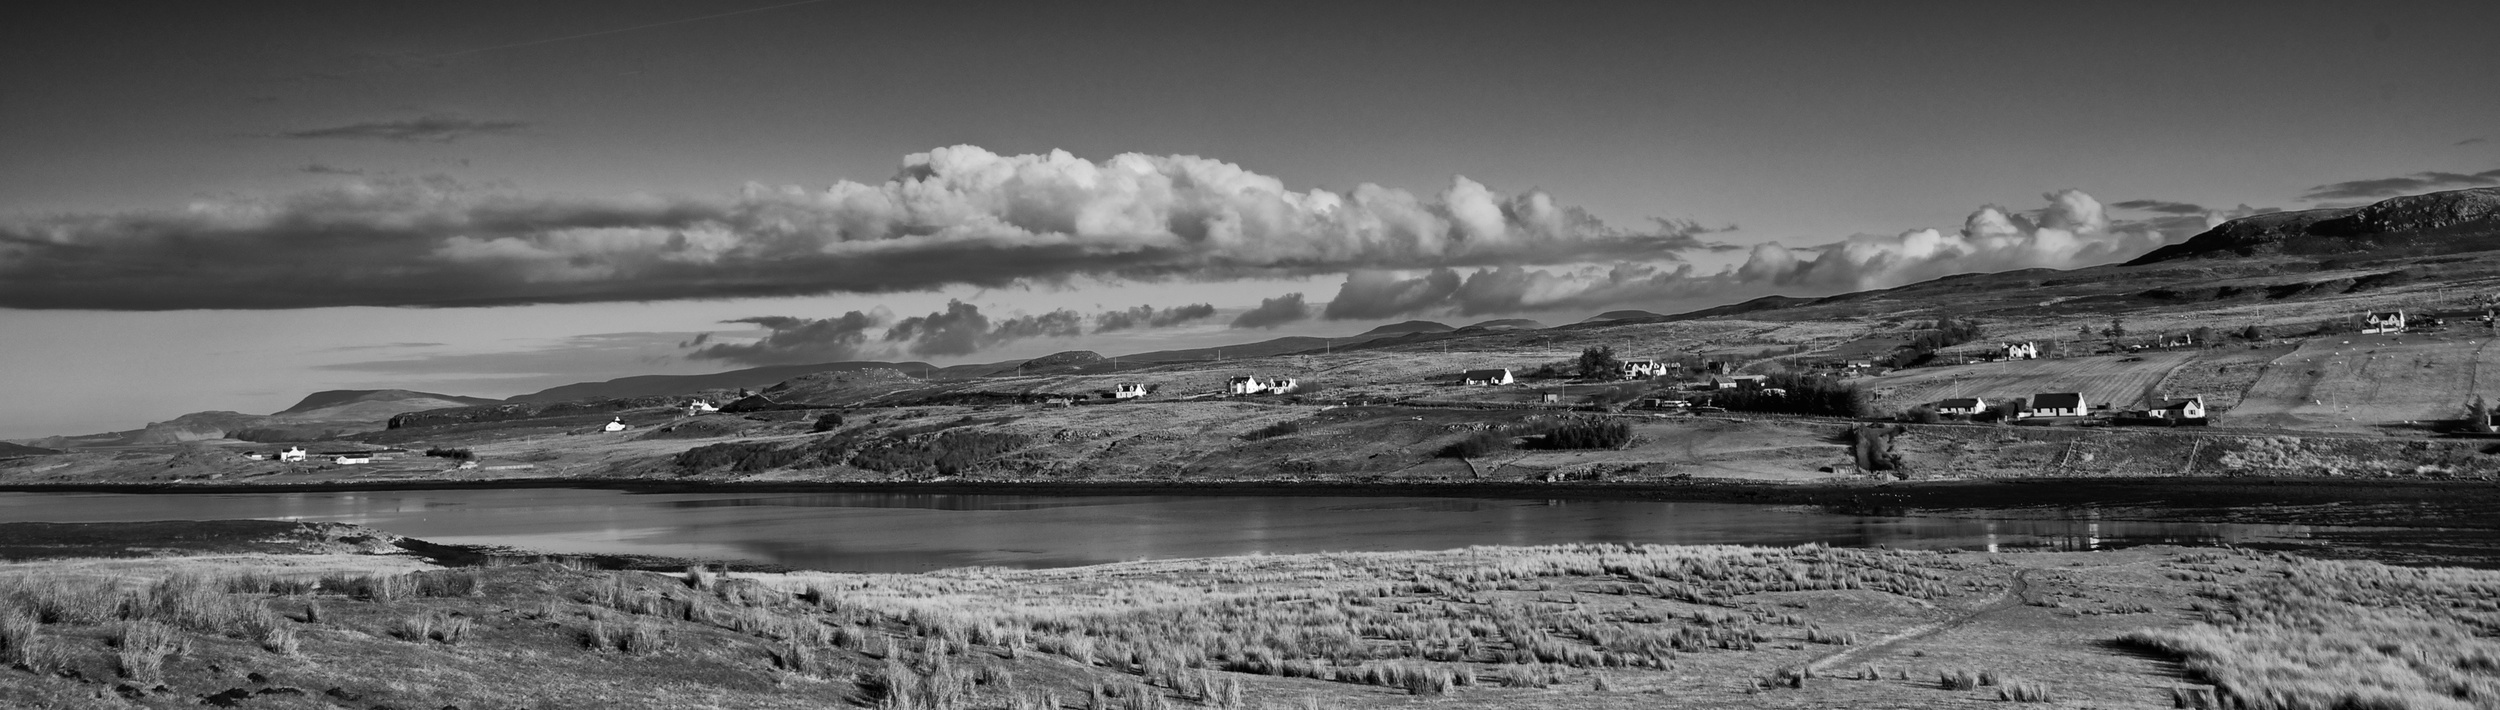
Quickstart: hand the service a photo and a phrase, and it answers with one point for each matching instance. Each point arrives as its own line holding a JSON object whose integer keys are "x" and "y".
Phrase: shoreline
{"x": 2410, "y": 503}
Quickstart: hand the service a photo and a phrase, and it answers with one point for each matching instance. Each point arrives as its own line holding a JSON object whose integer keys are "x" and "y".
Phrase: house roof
{"x": 1487, "y": 373}
{"x": 1960, "y": 403}
{"x": 2179, "y": 403}
{"x": 2057, "y": 400}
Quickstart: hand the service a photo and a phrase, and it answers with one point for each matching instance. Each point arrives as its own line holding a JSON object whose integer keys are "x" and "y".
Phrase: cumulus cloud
{"x": 1151, "y": 317}
{"x": 1376, "y": 294}
{"x": 952, "y": 216}
{"x": 2072, "y": 231}
{"x": 961, "y": 329}
{"x": 1273, "y": 312}
{"x": 795, "y": 341}
{"x": 2379, "y": 188}
{"x": 436, "y": 128}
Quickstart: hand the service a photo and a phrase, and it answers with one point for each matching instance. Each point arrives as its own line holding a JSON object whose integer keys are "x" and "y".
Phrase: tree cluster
{"x": 1801, "y": 394}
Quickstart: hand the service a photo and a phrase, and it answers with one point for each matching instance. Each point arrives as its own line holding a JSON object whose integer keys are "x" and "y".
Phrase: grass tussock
{"x": 2330, "y": 635}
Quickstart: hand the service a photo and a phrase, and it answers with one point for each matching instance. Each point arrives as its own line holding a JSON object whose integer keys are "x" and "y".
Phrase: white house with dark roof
{"x": 1962, "y": 406}
{"x": 2376, "y": 323}
{"x": 1643, "y": 368}
{"x": 2057, "y": 404}
{"x": 2192, "y": 407}
{"x": 2025, "y": 350}
{"x": 1128, "y": 390}
{"x": 1487, "y": 376}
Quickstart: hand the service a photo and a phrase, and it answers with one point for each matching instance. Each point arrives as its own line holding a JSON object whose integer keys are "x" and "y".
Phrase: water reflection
{"x": 912, "y": 532}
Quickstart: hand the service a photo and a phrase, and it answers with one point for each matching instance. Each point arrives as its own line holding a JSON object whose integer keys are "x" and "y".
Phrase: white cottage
{"x": 2177, "y": 409}
{"x": 2376, "y": 323}
{"x": 1962, "y": 406}
{"x": 292, "y": 453}
{"x": 1643, "y": 368}
{"x": 2057, "y": 404}
{"x": 2025, "y": 350}
{"x": 1487, "y": 377}
{"x": 617, "y": 425}
{"x": 1127, "y": 390}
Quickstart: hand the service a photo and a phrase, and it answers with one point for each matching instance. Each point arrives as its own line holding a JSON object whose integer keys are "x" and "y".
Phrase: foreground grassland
{"x": 1488, "y": 627}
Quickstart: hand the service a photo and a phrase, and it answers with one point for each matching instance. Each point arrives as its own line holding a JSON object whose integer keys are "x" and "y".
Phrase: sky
{"x": 226, "y": 206}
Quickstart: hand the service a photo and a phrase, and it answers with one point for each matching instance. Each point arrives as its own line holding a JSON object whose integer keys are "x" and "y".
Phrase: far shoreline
{"x": 2410, "y": 503}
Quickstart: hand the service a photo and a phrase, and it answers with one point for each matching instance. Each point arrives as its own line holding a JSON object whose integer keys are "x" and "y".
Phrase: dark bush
{"x": 1805, "y": 394}
{"x": 1477, "y": 445}
{"x": 453, "y": 454}
{"x": 1921, "y": 415}
{"x": 741, "y": 456}
{"x": 1583, "y": 434}
{"x": 828, "y": 422}
{"x": 1274, "y": 430}
{"x": 947, "y": 453}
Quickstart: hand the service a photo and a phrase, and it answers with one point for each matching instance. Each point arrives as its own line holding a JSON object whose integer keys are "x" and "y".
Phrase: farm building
{"x": 617, "y": 424}
{"x": 701, "y": 407}
{"x": 1858, "y": 366}
{"x": 1964, "y": 406}
{"x": 1643, "y": 368}
{"x": 2178, "y": 341}
{"x": 1488, "y": 376}
{"x": 352, "y": 459}
{"x": 292, "y": 453}
{"x": 2189, "y": 408}
{"x": 2375, "y": 323}
{"x": 2025, "y": 350}
{"x": 1128, "y": 390}
{"x": 1739, "y": 381}
{"x": 2057, "y": 404}
{"x": 255, "y": 456}
{"x": 1258, "y": 385}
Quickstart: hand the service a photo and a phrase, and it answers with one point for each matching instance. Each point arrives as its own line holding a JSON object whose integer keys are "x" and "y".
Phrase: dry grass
{"x": 2323, "y": 635}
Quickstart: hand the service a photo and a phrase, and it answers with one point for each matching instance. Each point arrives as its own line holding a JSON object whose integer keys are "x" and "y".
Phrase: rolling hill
{"x": 2435, "y": 223}
{"x": 667, "y": 385}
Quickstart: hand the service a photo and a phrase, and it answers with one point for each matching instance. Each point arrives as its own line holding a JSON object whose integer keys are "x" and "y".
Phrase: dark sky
{"x": 526, "y": 153}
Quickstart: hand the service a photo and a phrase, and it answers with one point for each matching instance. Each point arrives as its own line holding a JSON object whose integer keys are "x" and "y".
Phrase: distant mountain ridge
{"x": 340, "y": 398}
{"x": 666, "y": 385}
{"x": 2439, "y": 222}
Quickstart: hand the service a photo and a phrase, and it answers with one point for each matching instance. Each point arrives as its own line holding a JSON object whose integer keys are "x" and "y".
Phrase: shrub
{"x": 1584, "y": 434}
{"x": 140, "y": 648}
{"x": 1804, "y": 394}
{"x": 1921, "y": 415}
{"x": 1477, "y": 445}
{"x": 740, "y": 456}
{"x": 2024, "y": 691}
{"x": 453, "y": 454}
{"x": 829, "y": 422}
{"x": 1271, "y": 431}
{"x": 1959, "y": 679}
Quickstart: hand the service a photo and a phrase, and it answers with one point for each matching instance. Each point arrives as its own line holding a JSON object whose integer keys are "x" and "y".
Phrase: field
{"x": 1565, "y": 627}
{"x": 2372, "y": 383}
{"x": 2103, "y": 379}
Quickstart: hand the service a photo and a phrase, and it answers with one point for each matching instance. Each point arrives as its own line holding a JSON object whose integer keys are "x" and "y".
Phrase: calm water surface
{"x": 893, "y": 532}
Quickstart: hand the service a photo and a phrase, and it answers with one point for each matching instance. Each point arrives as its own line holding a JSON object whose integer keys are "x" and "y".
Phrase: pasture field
{"x": 2222, "y": 375}
{"x": 2372, "y": 383}
{"x": 2103, "y": 379}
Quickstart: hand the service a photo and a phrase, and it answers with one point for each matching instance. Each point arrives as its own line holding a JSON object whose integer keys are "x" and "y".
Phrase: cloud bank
{"x": 437, "y": 128}
{"x": 1275, "y": 312}
{"x": 1150, "y": 317}
{"x": 2072, "y": 230}
{"x": 960, "y": 329}
{"x": 2381, "y": 188}
{"x": 951, "y": 216}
